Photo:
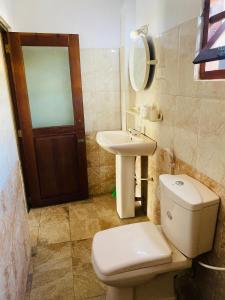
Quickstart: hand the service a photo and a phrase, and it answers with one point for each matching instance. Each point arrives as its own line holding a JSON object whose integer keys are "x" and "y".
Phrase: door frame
{"x": 13, "y": 48}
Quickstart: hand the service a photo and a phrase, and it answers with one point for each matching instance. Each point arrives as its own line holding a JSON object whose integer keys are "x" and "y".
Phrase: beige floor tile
{"x": 102, "y": 297}
{"x": 53, "y": 277}
{"x": 52, "y": 257}
{"x": 54, "y": 225}
{"x": 84, "y": 221}
{"x": 107, "y": 214}
{"x": 86, "y": 284}
{"x": 34, "y": 217}
{"x": 106, "y": 211}
{"x": 53, "y": 285}
{"x": 139, "y": 216}
{"x": 134, "y": 220}
{"x": 63, "y": 269}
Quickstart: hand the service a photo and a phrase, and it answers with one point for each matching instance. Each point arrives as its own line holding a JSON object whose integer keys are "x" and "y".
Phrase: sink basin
{"x": 125, "y": 144}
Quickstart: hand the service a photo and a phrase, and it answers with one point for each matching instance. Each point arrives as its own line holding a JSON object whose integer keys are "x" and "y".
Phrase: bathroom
{"x": 47, "y": 242}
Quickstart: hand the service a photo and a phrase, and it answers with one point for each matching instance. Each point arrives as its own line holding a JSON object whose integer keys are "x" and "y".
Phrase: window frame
{"x": 206, "y": 54}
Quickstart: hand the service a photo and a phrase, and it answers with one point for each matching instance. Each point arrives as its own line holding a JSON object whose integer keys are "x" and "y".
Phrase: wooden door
{"x": 50, "y": 124}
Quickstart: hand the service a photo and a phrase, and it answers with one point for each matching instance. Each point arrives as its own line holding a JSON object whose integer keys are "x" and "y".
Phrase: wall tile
{"x": 187, "y": 44}
{"x": 212, "y": 118}
{"x": 102, "y": 112}
{"x": 93, "y": 159}
{"x": 14, "y": 236}
{"x": 193, "y": 128}
{"x": 185, "y": 145}
{"x": 188, "y": 114}
{"x": 87, "y": 61}
{"x": 94, "y": 181}
{"x": 101, "y": 89}
{"x": 170, "y": 47}
{"x": 106, "y": 158}
{"x": 212, "y": 140}
{"x": 107, "y": 179}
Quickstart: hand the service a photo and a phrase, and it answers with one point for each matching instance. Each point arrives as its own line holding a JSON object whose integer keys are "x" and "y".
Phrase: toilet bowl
{"x": 127, "y": 256}
{"x": 156, "y": 256}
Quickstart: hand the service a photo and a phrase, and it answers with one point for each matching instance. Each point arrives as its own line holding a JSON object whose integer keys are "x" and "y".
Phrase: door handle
{"x": 19, "y": 133}
{"x": 80, "y": 141}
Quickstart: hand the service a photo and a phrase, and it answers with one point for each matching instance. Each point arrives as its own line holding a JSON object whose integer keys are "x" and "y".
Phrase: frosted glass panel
{"x": 49, "y": 86}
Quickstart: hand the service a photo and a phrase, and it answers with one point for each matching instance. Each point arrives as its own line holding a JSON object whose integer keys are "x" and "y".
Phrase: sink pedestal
{"x": 125, "y": 186}
{"x": 126, "y": 146}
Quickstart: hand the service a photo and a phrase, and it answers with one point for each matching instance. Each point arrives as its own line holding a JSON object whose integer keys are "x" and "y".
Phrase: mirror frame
{"x": 131, "y": 63}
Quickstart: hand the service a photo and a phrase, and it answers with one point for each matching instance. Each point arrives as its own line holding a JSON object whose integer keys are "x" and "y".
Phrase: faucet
{"x": 134, "y": 132}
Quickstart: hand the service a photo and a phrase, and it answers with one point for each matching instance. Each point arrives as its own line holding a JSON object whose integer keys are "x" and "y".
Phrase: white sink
{"x": 126, "y": 144}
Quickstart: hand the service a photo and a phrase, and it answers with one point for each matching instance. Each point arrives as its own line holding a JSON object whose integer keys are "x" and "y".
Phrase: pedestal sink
{"x": 126, "y": 145}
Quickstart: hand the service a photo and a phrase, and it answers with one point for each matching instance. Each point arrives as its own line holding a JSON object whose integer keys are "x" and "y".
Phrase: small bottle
{"x": 144, "y": 111}
{"x": 154, "y": 113}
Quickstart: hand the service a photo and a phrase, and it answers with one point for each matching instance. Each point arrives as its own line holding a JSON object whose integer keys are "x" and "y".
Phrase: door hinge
{"x": 19, "y": 133}
{"x": 7, "y": 48}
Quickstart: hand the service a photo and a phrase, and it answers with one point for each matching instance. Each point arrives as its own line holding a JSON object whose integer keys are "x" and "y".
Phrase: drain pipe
{"x": 211, "y": 267}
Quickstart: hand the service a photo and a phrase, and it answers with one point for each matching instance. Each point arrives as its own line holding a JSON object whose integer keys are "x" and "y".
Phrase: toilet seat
{"x": 130, "y": 247}
{"x": 122, "y": 274}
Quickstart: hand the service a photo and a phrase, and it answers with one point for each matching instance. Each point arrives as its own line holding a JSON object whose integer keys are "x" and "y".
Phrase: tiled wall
{"x": 101, "y": 167}
{"x": 14, "y": 237}
{"x": 101, "y": 96}
{"x": 204, "y": 284}
{"x": 193, "y": 127}
{"x": 101, "y": 89}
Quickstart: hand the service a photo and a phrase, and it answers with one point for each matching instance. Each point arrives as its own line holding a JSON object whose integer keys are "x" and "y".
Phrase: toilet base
{"x": 160, "y": 287}
{"x": 114, "y": 293}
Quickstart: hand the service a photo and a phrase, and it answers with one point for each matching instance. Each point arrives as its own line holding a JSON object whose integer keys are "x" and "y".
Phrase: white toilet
{"x": 127, "y": 256}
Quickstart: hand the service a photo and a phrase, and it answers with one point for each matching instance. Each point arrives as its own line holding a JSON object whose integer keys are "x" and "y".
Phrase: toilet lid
{"x": 130, "y": 247}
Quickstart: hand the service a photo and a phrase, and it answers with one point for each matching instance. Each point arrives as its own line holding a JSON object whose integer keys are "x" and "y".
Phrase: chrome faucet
{"x": 134, "y": 132}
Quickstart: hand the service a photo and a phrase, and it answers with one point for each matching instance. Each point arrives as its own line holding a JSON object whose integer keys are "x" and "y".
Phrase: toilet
{"x": 128, "y": 256}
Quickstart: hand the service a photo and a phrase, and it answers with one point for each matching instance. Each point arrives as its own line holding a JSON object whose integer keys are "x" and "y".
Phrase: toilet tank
{"x": 188, "y": 213}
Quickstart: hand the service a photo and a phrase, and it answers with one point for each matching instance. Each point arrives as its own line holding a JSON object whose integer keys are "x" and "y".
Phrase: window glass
{"x": 49, "y": 86}
{"x": 216, "y": 7}
{"x": 215, "y": 65}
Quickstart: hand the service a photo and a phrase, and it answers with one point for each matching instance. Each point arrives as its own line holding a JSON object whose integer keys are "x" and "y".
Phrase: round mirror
{"x": 139, "y": 62}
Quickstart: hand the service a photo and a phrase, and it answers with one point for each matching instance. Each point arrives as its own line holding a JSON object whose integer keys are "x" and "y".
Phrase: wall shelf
{"x": 134, "y": 112}
{"x": 160, "y": 118}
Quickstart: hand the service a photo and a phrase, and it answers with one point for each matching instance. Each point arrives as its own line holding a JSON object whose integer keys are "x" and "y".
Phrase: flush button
{"x": 179, "y": 182}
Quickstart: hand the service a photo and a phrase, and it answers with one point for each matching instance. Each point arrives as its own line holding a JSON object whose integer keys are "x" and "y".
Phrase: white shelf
{"x": 135, "y": 113}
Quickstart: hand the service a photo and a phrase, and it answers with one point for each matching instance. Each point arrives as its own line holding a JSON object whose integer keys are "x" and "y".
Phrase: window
{"x": 212, "y": 55}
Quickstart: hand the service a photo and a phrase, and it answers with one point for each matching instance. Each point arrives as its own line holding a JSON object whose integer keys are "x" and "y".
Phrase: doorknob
{"x": 80, "y": 141}
{"x": 19, "y": 133}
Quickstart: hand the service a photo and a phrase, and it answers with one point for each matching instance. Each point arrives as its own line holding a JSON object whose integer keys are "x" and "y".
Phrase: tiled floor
{"x": 61, "y": 238}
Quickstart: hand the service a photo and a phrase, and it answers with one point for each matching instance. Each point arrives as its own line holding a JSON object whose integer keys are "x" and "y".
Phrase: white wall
{"x": 97, "y": 21}
{"x": 6, "y": 11}
{"x": 128, "y": 23}
{"x": 8, "y": 147}
{"x": 163, "y": 15}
